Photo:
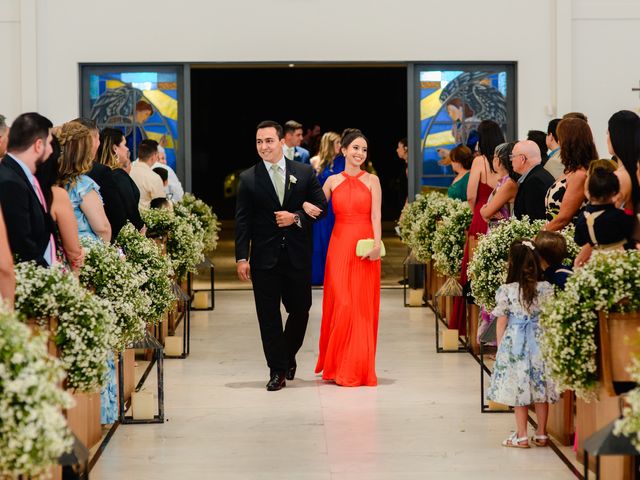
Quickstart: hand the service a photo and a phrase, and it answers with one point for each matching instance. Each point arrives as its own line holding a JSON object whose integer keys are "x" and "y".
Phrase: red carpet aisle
{"x": 421, "y": 422}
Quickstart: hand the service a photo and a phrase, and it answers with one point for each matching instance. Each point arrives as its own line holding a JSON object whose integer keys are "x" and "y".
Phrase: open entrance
{"x": 227, "y": 102}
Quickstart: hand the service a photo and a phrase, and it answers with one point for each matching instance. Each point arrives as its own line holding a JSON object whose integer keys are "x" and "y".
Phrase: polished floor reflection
{"x": 422, "y": 422}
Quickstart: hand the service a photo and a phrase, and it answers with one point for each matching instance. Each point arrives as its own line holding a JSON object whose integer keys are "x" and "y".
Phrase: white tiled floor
{"x": 422, "y": 422}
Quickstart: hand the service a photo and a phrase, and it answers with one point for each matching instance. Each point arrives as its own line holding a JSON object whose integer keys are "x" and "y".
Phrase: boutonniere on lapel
{"x": 292, "y": 181}
{"x": 296, "y": 153}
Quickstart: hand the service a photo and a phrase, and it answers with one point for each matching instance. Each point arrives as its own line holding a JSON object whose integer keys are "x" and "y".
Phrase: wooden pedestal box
{"x": 84, "y": 418}
{"x": 560, "y": 422}
{"x": 591, "y": 417}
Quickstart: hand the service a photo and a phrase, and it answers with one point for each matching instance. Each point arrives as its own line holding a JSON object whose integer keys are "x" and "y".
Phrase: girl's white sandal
{"x": 540, "y": 440}
{"x": 514, "y": 442}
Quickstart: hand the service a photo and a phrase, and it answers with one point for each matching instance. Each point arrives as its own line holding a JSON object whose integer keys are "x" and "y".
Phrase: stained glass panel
{"x": 452, "y": 104}
{"x": 113, "y": 96}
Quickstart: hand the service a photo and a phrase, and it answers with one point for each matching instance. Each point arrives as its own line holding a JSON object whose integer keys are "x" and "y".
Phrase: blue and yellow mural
{"x": 113, "y": 98}
{"x": 452, "y": 104}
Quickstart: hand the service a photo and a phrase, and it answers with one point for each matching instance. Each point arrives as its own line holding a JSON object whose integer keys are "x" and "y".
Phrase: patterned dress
{"x": 519, "y": 378}
{"x": 554, "y": 197}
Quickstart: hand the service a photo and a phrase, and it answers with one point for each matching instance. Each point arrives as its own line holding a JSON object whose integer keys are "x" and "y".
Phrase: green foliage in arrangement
{"x": 450, "y": 238}
{"x": 205, "y": 216}
{"x": 33, "y": 431}
{"x": 86, "y": 323}
{"x": 609, "y": 282}
{"x": 147, "y": 260}
{"x": 629, "y": 424}
{"x": 418, "y": 222}
{"x": 185, "y": 238}
{"x": 488, "y": 268}
{"x": 112, "y": 278}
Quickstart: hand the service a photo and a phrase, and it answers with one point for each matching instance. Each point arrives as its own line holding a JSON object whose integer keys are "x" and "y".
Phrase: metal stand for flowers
{"x": 444, "y": 292}
{"x": 206, "y": 265}
{"x": 147, "y": 343}
{"x": 414, "y": 273}
{"x": 603, "y": 443}
{"x": 75, "y": 464}
{"x": 184, "y": 316}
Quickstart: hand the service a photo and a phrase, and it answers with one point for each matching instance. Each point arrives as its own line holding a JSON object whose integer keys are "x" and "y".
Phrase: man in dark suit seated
{"x": 533, "y": 183}
{"x": 29, "y": 225}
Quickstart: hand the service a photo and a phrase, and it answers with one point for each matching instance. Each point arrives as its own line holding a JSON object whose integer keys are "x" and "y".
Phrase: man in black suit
{"x": 29, "y": 225}
{"x": 273, "y": 247}
{"x": 533, "y": 183}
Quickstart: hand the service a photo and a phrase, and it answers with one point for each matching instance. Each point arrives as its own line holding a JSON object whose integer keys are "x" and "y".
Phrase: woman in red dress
{"x": 351, "y": 301}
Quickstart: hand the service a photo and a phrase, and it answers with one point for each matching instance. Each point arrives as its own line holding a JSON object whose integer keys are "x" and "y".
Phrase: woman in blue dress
{"x": 76, "y": 159}
{"x": 329, "y": 161}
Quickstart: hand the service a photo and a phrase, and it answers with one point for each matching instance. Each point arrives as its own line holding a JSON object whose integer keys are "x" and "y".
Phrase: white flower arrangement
{"x": 86, "y": 323}
{"x": 487, "y": 269}
{"x": 208, "y": 220}
{"x": 120, "y": 283}
{"x": 418, "y": 222}
{"x": 609, "y": 282}
{"x": 147, "y": 259}
{"x": 629, "y": 424}
{"x": 185, "y": 237}
{"x": 33, "y": 430}
{"x": 450, "y": 238}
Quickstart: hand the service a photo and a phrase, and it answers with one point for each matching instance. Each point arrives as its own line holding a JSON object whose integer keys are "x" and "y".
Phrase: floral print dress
{"x": 519, "y": 377}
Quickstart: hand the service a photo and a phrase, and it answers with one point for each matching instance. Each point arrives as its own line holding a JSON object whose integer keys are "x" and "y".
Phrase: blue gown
{"x": 322, "y": 228}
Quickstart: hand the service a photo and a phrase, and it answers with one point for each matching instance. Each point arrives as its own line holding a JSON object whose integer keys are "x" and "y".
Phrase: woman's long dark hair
{"x": 577, "y": 148}
{"x": 490, "y": 136}
{"x": 47, "y": 172}
{"x": 525, "y": 270}
{"x": 624, "y": 133}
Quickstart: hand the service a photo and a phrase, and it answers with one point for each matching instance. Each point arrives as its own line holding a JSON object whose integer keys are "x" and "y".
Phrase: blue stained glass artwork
{"x": 452, "y": 104}
{"x": 113, "y": 98}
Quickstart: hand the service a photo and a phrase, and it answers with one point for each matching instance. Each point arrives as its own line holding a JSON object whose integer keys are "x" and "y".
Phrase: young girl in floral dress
{"x": 519, "y": 378}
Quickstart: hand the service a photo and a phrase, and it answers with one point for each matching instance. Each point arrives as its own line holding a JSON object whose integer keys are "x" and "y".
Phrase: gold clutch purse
{"x": 366, "y": 245}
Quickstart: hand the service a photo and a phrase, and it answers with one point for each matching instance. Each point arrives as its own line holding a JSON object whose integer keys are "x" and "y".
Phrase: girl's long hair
{"x": 525, "y": 270}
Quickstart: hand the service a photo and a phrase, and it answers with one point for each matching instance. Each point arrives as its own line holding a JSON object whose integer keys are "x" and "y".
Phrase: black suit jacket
{"x": 29, "y": 227}
{"x": 113, "y": 205}
{"x": 530, "y": 199}
{"x": 258, "y": 237}
{"x": 129, "y": 195}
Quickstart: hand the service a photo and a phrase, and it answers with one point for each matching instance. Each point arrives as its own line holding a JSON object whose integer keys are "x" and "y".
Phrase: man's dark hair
{"x": 540, "y": 138}
{"x": 26, "y": 129}
{"x": 272, "y": 124}
{"x": 162, "y": 172}
{"x": 291, "y": 126}
{"x": 603, "y": 185}
{"x": 159, "y": 202}
{"x": 86, "y": 122}
{"x": 147, "y": 148}
{"x": 552, "y": 127}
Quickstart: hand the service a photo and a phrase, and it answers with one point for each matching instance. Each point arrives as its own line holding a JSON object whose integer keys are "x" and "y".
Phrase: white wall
{"x": 606, "y": 61}
{"x": 571, "y": 54}
{"x": 73, "y": 31}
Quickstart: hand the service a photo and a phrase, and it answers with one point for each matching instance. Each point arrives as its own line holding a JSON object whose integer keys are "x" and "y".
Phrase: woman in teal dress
{"x": 460, "y": 159}
{"x": 75, "y": 161}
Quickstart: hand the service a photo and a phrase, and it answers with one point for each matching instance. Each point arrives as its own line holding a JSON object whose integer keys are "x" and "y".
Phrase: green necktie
{"x": 278, "y": 180}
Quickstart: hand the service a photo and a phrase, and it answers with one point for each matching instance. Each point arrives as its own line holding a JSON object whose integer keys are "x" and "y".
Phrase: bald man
{"x": 533, "y": 183}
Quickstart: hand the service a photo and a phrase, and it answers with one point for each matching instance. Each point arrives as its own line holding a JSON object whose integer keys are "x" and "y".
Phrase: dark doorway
{"x": 228, "y": 102}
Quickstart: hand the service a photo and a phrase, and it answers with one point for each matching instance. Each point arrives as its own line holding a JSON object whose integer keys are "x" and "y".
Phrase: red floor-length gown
{"x": 351, "y": 301}
{"x": 478, "y": 225}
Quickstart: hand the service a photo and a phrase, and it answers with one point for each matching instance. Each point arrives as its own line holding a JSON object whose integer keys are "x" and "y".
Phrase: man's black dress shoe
{"x": 277, "y": 382}
{"x": 291, "y": 372}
